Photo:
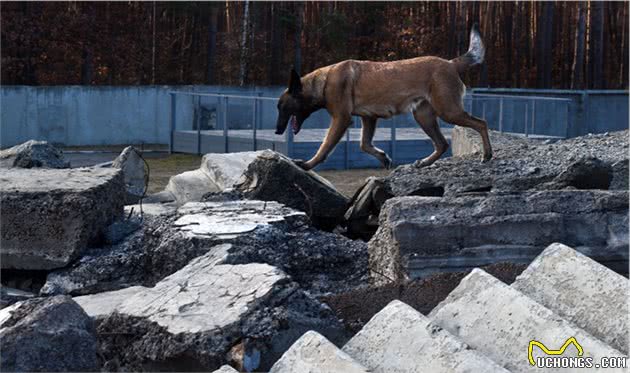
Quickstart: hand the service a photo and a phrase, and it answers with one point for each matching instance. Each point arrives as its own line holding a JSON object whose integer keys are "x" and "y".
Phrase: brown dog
{"x": 429, "y": 87}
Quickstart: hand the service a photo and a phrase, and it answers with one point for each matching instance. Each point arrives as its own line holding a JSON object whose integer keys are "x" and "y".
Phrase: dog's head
{"x": 293, "y": 106}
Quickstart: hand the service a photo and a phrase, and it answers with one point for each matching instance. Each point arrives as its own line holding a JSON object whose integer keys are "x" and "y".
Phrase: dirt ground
{"x": 163, "y": 165}
{"x": 357, "y": 307}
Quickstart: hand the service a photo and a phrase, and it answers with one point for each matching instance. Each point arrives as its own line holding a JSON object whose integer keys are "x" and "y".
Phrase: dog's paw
{"x": 387, "y": 162}
{"x": 486, "y": 158}
{"x": 301, "y": 164}
{"x": 423, "y": 162}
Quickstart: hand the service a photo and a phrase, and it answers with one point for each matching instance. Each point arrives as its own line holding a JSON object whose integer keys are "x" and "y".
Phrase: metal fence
{"x": 505, "y": 113}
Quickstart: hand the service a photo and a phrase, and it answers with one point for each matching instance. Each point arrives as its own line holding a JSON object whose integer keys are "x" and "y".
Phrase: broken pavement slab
{"x": 400, "y": 339}
{"x": 33, "y": 154}
{"x": 581, "y": 291}
{"x": 47, "y": 334}
{"x": 314, "y": 353}
{"x": 419, "y": 236}
{"x": 49, "y": 216}
{"x": 203, "y": 311}
{"x": 500, "y": 321}
{"x": 272, "y": 176}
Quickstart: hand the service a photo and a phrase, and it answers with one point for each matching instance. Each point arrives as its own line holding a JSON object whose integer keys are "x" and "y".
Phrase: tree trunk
{"x": 277, "y": 45}
{"x": 297, "y": 62}
{"x": 153, "y": 47}
{"x": 212, "y": 44}
{"x": 242, "y": 76}
{"x": 597, "y": 39}
{"x": 577, "y": 80}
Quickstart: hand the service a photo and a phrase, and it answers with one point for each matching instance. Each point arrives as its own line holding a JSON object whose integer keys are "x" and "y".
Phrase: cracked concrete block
{"x": 190, "y": 186}
{"x": 226, "y": 369}
{"x": 33, "y": 154}
{"x": 500, "y": 321}
{"x": 274, "y": 177}
{"x": 225, "y": 170}
{"x": 132, "y": 166}
{"x": 401, "y": 339}
{"x": 472, "y": 231}
{"x": 581, "y": 291}
{"x": 49, "y": 216}
{"x": 209, "y": 312}
{"x": 314, "y": 353}
{"x": 47, "y": 335}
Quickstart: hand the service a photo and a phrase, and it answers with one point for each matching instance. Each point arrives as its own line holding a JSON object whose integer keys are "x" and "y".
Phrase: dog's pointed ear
{"x": 295, "y": 84}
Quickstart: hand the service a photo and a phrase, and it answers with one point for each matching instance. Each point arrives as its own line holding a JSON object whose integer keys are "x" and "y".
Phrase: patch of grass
{"x": 163, "y": 168}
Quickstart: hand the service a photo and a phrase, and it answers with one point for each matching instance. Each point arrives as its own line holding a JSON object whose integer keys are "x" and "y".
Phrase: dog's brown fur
{"x": 428, "y": 86}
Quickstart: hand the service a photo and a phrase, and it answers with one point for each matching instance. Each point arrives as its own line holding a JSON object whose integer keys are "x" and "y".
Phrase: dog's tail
{"x": 475, "y": 53}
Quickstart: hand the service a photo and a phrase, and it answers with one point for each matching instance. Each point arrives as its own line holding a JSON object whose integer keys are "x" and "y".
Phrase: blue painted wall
{"x": 84, "y": 115}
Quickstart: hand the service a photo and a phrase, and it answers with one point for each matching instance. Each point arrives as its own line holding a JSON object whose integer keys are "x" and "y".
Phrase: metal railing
{"x": 473, "y": 103}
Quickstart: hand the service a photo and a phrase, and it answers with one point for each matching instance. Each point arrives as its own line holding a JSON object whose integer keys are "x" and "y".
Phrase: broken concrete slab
{"x": 258, "y": 231}
{"x": 136, "y": 179}
{"x": 226, "y": 369}
{"x": 195, "y": 317}
{"x": 517, "y": 166}
{"x": 273, "y": 177}
{"x": 581, "y": 291}
{"x": 471, "y": 231}
{"x": 466, "y": 141}
{"x": 9, "y": 296}
{"x": 314, "y": 353}
{"x": 217, "y": 173}
{"x": 499, "y": 321}
{"x": 190, "y": 186}
{"x": 400, "y": 339}
{"x": 47, "y": 334}
{"x": 49, "y": 216}
{"x": 33, "y": 154}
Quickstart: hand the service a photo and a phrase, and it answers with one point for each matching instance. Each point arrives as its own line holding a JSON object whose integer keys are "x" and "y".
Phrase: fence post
{"x": 225, "y": 123}
{"x": 526, "y": 124}
{"x": 173, "y": 119}
{"x": 500, "y": 114}
{"x": 198, "y": 123}
{"x": 393, "y": 142}
{"x": 533, "y": 116}
{"x": 254, "y": 122}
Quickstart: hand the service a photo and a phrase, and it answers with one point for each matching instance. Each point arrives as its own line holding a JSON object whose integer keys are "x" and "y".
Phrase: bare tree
{"x": 212, "y": 43}
{"x": 577, "y": 80}
{"x": 242, "y": 76}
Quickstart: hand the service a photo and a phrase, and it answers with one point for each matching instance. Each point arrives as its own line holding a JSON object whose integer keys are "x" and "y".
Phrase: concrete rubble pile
{"x": 33, "y": 154}
{"x": 50, "y": 216}
{"x": 486, "y": 325}
{"x": 228, "y": 267}
{"x": 205, "y": 314}
{"x": 263, "y": 175}
{"x": 460, "y": 213}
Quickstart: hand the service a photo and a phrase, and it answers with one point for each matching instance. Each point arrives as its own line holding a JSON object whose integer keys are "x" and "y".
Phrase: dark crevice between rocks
{"x": 356, "y": 307}
{"x": 434, "y": 191}
{"x": 25, "y": 280}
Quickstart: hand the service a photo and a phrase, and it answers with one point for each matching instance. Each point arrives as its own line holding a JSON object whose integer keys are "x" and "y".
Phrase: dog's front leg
{"x": 337, "y": 129}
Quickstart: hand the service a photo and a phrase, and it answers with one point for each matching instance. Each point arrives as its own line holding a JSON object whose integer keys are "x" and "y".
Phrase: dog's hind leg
{"x": 426, "y": 118}
{"x": 368, "y": 127}
{"x": 336, "y": 131}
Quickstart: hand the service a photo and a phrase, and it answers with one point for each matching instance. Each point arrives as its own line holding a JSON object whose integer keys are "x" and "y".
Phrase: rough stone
{"x": 518, "y": 165}
{"x": 273, "y": 177}
{"x": 422, "y": 235}
{"x": 217, "y": 173}
{"x": 314, "y": 353}
{"x": 226, "y": 369}
{"x": 50, "y": 216}
{"x": 400, "y": 339}
{"x": 32, "y": 154}
{"x": 581, "y": 291}
{"x": 47, "y": 334}
{"x": 135, "y": 176}
{"x": 258, "y": 232}
{"x": 466, "y": 141}
{"x": 499, "y": 321}
{"x": 190, "y": 186}
{"x": 198, "y": 316}
{"x": 9, "y": 296}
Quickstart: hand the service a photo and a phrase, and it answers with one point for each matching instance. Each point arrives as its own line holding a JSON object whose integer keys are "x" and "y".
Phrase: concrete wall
{"x": 84, "y": 115}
